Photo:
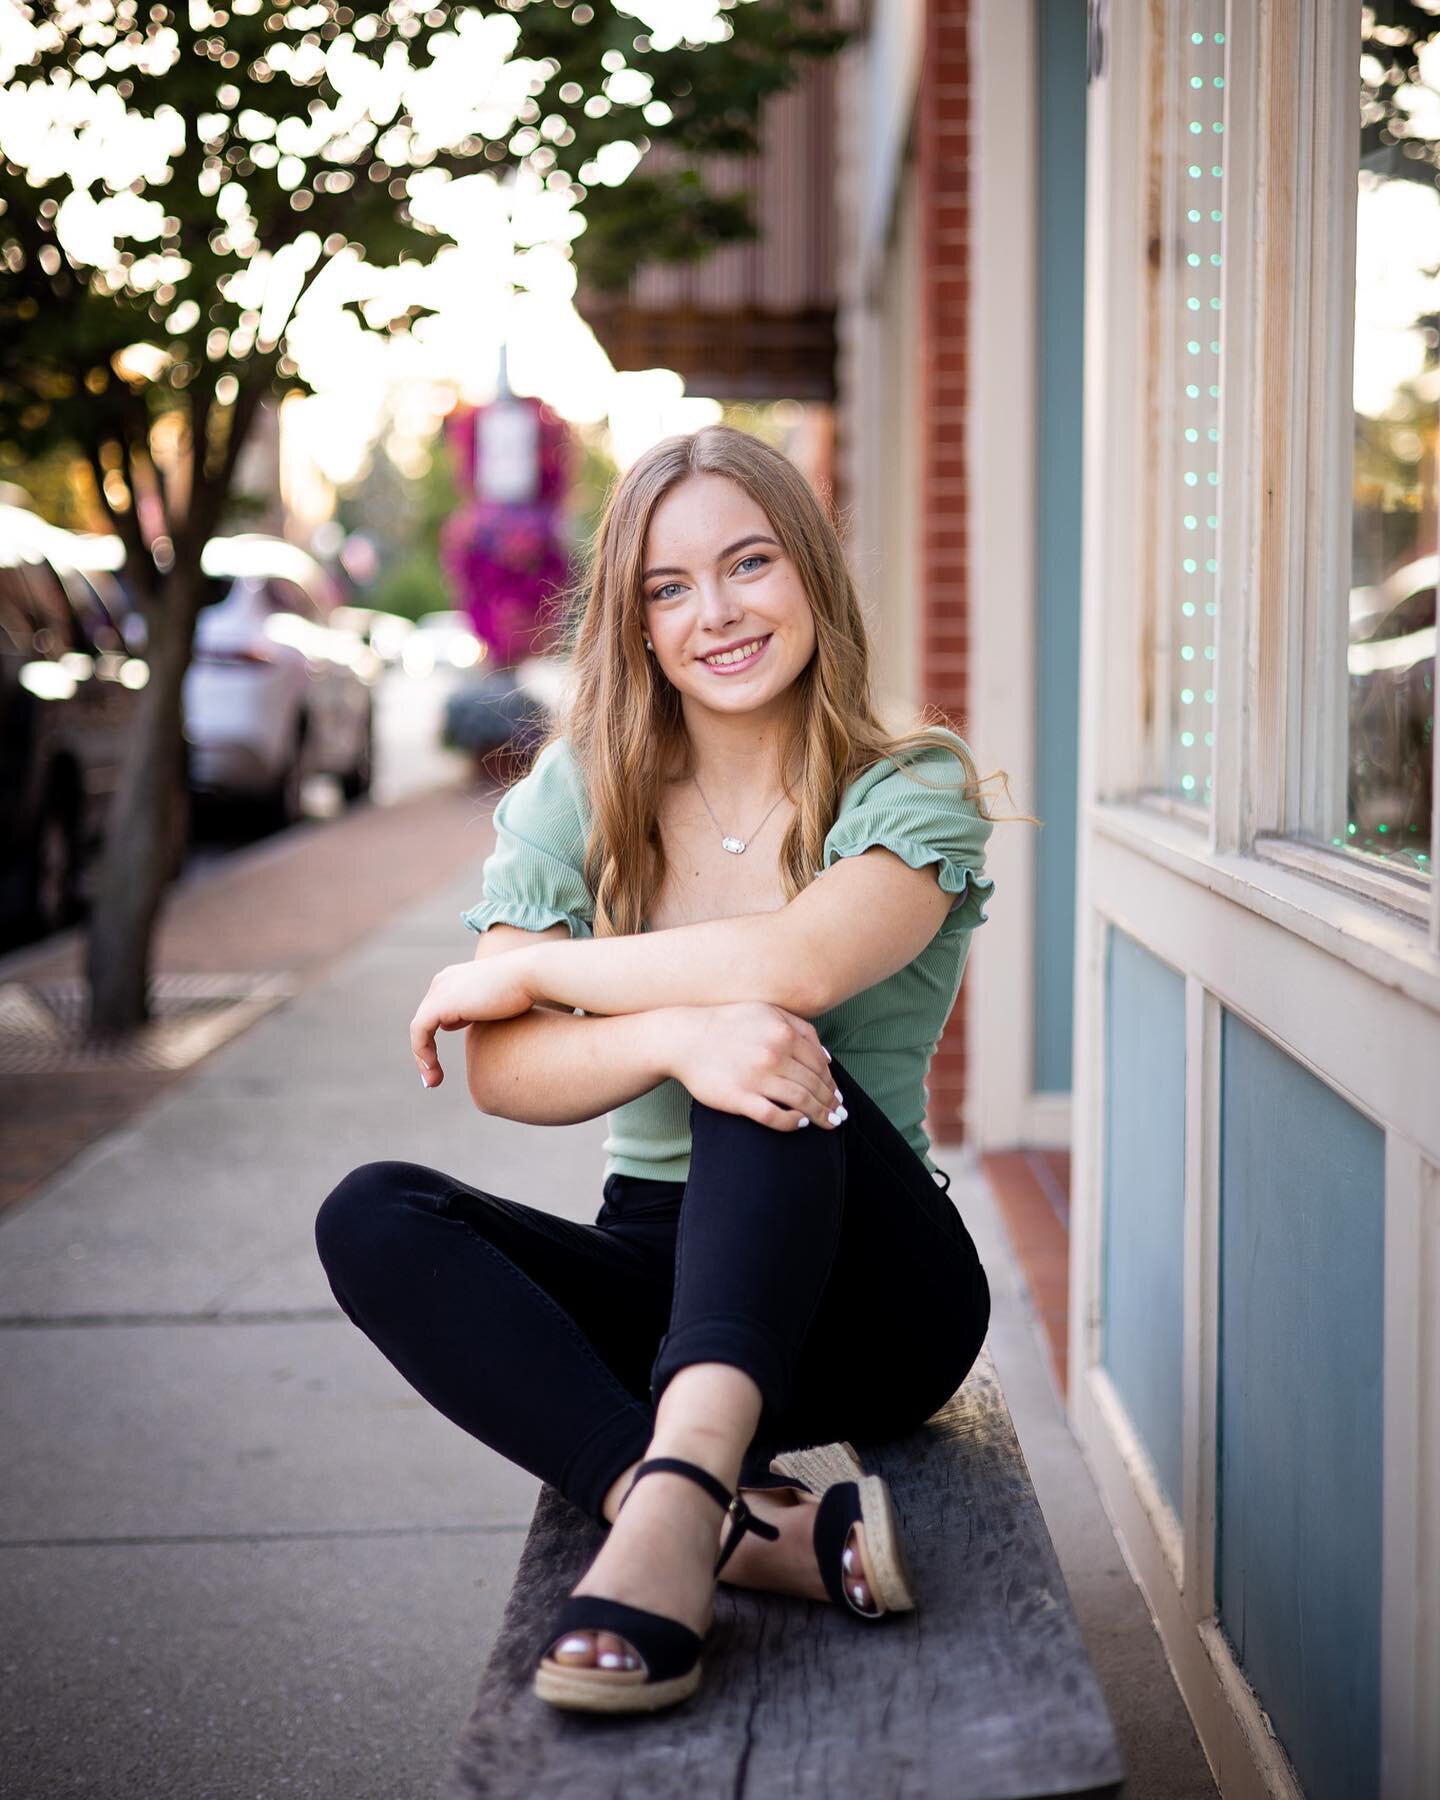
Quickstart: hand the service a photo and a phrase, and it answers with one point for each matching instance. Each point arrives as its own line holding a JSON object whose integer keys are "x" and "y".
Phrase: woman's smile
{"x": 743, "y": 663}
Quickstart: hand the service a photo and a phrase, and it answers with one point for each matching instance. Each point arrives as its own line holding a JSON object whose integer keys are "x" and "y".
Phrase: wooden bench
{"x": 985, "y": 1692}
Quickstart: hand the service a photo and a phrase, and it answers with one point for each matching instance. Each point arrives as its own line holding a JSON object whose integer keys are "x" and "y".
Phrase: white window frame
{"x": 1287, "y": 334}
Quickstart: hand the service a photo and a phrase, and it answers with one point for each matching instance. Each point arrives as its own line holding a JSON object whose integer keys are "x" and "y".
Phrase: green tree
{"x": 1392, "y": 140}
{"x": 265, "y": 140}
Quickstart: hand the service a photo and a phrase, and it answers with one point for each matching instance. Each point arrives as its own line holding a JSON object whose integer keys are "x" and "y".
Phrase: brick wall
{"x": 942, "y": 153}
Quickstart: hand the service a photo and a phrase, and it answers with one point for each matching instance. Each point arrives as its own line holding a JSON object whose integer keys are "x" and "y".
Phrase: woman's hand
{"x": 464, "y": 994}
{"x": 755, "y": 1059}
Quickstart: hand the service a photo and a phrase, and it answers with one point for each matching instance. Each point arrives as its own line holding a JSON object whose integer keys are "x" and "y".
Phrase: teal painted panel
{"x": 1302, "y": 1250}
{"x": 1144, "y": 1233}
{"x": 1061, "y": 50}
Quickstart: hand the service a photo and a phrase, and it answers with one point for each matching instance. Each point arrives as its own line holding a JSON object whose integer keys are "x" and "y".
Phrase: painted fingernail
{"x": 804, "y": 1120}
{"x": 844, "y": 1111}
{"x": 424, "y": 1079}
{"x": 611, "y": 1659}
{"x": 835, "y": 1117}
{"x": 838, "y": 1096}
{"x": 828, "y": 1056}
{"x": 573, "y": 1646}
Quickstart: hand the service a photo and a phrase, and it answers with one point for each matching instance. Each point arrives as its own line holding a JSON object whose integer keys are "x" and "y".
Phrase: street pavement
{"x": 240, "y": 1556}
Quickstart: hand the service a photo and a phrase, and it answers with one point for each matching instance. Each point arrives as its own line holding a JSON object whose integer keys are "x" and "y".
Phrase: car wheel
{"x": 54, "y": 897}
{"x": 283, "y": 806}
{"x": 357, "y": 783}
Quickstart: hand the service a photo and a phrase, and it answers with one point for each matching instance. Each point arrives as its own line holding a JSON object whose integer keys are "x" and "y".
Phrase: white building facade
{"x": 1255, "y": 1261}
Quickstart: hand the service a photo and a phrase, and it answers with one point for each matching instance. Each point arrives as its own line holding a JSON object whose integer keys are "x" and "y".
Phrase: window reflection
{"x": 1391, "y": 654}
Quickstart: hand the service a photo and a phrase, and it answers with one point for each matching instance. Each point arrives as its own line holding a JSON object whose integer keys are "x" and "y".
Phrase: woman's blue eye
{"x": 754, "y": 557}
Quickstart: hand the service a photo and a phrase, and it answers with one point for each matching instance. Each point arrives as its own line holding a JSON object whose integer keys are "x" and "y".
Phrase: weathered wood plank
{"x": 985, "y": 1692}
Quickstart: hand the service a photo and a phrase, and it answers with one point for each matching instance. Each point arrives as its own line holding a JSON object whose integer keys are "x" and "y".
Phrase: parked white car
{"x": 277, "y": 690}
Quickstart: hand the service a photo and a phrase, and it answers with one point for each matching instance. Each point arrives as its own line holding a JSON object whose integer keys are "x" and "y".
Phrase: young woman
{"x": 760, "y": 902}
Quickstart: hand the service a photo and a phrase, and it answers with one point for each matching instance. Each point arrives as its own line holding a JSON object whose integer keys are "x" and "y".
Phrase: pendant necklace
{"x": 736, "y": 846}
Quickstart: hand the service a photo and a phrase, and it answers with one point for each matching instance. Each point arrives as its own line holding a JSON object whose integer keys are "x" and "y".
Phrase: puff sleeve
{"x": 534, "y": 876}
{"x": 922, "y": 821}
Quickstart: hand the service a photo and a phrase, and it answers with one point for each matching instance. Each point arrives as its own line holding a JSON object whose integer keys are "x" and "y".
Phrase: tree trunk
{"x": 148, "y": 826}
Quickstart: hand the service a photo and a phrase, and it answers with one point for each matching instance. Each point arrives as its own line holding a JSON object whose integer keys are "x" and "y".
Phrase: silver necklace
{"x": 736, "y": 846}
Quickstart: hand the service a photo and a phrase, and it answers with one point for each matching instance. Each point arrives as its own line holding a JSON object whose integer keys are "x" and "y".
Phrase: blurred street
{"x": 409, "y": 760}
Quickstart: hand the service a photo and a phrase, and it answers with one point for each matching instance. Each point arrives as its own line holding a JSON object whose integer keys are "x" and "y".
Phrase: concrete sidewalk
{"x": 238, "y": 1556}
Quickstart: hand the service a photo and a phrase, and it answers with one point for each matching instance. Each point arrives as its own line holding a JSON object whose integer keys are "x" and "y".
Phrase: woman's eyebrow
{"x": 755, "y": 537}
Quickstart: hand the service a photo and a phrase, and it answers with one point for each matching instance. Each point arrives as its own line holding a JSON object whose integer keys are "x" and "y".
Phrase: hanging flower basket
{"x": 508, "y": 560}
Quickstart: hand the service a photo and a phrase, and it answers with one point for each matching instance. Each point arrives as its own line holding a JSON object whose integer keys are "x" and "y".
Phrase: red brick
{"x": 1040, "y": 1241}
{"x": 943, "y": 156}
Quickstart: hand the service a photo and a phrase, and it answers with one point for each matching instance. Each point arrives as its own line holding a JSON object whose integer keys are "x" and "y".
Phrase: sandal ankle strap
{"x": 675, "y": 1465}
{"x": 743, "y": 1519}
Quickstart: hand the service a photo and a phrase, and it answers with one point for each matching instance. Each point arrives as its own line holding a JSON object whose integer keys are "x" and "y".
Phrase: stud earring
{"x": 648, "y": 644}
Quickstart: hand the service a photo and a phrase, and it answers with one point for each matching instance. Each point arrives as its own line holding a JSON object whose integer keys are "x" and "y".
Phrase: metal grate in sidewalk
{"x": 42, "y": 1023}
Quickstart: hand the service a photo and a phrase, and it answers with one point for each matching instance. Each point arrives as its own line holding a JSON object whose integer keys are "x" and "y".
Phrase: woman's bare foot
{"x": 662, "y": 1558}
{"x": 660, "y": 1552}
{"x": 658, "y": 1555}
{"x": 788, "y": 1565}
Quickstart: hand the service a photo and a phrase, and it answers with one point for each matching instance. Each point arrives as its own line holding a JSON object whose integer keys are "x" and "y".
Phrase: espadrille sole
{"x": 893, "y": 1586}
{"x": 821, "y": 1466}
{"x": 611, "y": 1691}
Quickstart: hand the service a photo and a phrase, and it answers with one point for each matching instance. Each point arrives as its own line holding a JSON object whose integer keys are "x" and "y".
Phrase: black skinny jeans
{"x": 825, "y": 1262}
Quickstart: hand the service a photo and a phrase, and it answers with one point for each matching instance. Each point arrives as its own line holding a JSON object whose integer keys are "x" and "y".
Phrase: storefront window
{"x": 1391, "y": 655}
{"x": 1187, "y": 311}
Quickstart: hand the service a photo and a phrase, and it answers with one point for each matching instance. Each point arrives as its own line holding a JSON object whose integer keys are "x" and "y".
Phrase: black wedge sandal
{"x": 849, "y": 1497}
{"x": 669, "y": 1652}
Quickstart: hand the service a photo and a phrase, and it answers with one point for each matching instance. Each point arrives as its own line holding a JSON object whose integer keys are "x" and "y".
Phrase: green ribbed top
{"x": 885, "y": 1035}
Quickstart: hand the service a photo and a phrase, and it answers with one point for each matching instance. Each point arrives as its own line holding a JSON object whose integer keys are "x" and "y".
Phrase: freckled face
{"x": 715, "y": 575}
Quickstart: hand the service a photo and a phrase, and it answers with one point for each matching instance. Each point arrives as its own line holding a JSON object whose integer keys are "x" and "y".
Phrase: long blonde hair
{"x": 624, "y": 724}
